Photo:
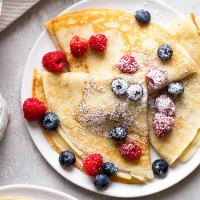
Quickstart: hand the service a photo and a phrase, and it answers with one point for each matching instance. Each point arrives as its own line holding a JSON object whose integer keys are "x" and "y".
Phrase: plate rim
{"x": 69, "y": 9}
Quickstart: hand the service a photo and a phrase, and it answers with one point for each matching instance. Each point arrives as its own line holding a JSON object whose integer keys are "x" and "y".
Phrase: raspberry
{"x": 130, "y": 151}
{"x": 54, "y": 61}
{"x": 92, "y": 164}
{"x": 98, "y": 42}
{"x": 127, "y": 64}
{"x": 78, "y": 46}
{"x": 165, "y": 105}
{"x": 162, "y": 124}
{"x": 156, "y": 78}
{"x": 33, "y": 109}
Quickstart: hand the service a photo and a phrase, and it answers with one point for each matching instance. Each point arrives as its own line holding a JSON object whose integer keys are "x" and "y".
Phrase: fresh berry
{"x": 98, "y": 42}
{"x": 165, "y": 52}
{"x": 127, "y": 64}
{"x": 78, "y": 46}
{"x": 162, "y": 124}
{"x": 50, "y": 121}
{"x": 175, "y": 89}
{"x": 135, "y": 92}
{"x": 130, "y": 151}
{"x": 160, "y": 167}
{"x": 109, "y": 169}
{"x": 143, "y": 16}
{"x": 165, "y": 105}
{"x": 92, "y": 164}
{"x": 119, "y": 86}
{"x": 33, "y": 109}
{"x": 117, "y": 133}
{"x": 67, "y": 158}
{"x": 54, "y": 61}
{"x": 101, "y": 181}
{"x": 156, "y": 78}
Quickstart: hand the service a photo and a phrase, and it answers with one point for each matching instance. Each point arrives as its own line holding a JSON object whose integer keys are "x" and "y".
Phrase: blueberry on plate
{"x": 101, "y": 181}
{"x": 117, "y": 133}
{"x": 119, "y": 86}
{"x": 165, "y": 52}
{"x": 175, "y": 89}
{"x": 50, "y": 121}
{"x": 143, "y": 16}
{"x": 67, "y": 158}
{"x": 160, "y": 167}
{"x": 135, "y": 92}
{"x": 109, "y": 169}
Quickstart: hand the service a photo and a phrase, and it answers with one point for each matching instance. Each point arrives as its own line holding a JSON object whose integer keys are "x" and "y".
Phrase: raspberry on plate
{"x": 93, "y": 164}
{"x": 33, "y": 109}
{"x": 130, "y": 151}
{"x": 127, "y": 64}
{"x": 54, "y": 61}
{"x": 98, "y": 42}
{"x": 165, "y": 105}
{"x": 156, "y": 78}
{"x": 78, "y": 46}
{"x": 162, "y": 124}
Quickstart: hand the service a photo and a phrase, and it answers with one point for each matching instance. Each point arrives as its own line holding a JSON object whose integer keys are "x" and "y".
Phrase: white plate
{"x": 163, "y": 15}
{"x": 31, "y": 192}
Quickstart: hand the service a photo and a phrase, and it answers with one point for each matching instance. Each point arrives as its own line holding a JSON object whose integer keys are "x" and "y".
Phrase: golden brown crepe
{"x": 87, "y": 109}
{"x": 184, "y": 138}
{"x": 125, "y": 36}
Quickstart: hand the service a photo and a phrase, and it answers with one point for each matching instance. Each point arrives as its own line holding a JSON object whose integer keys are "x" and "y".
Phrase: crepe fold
{"x": 183, "y": 140}
{"x": 125, "y": 36}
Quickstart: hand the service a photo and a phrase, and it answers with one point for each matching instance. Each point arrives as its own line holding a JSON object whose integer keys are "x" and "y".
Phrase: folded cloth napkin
{"x": 10, "y": 10}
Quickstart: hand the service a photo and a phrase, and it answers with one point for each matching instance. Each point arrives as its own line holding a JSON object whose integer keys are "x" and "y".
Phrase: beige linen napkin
{"x": 12, "y": 9}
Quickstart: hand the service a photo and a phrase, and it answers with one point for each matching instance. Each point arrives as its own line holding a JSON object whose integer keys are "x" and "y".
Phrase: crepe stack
{"x": 85, "y": 104}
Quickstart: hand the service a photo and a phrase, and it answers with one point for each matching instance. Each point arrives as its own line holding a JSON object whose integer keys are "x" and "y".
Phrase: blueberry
{"x": 143, "y": 16}
{"x": 165, "y": 52}
{"x": 67, "y": 158}
{"x": 119, "y": 86}
{"x": 135, "y": 92}
{"x": 175, "y": 89}
{"x": 160, "y": 167}
{"x": 109, "y": 169}
{"x": 50, "y": 121}
{"x": 117, "y": 133}
{"x": 101, "y": 181}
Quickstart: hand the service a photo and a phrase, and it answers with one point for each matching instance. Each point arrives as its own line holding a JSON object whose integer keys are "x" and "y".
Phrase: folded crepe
{"x": 125, "y": 36}
{"x": 87, "y": 109}
{"x": 183, "y": 140}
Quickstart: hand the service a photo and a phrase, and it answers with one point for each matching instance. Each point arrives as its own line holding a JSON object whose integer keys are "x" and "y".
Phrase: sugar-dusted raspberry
{"x": 162, "y": 124}
{"x": 156, "y": 78}
{"x": 127, "y": 64}
{"x": 165, "y": 105}
{"x": 33, "y": 109}
{"x": 92, "y": 164}
{"x": 54, "y": 61}
{"x": 98, "y": 42}
{"x": 78, "y": 46}
{"x": 130, "y": 151}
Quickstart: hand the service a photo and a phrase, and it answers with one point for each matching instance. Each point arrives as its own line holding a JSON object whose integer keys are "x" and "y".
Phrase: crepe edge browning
{"x": 59, "y": 143}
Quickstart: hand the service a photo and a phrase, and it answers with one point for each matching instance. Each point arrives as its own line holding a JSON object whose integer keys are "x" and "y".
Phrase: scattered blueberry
{"x": 67, "y": 158}
{"x": 50, "y": 121}
{"x": 101, "y": 181}
{"x": 119, "y": 86}
{"x": 117, "y": 133}
{"x": 165, "y": 52}
{"x": 143, "y": 16}
{"x": 160, "y": 167}
{"x": 109, "y": 169}
{"x": 175, "y": 89}
{"x": 135, "y": 92}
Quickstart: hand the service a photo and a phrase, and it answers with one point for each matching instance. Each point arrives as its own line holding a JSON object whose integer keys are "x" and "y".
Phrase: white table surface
{"x": 20, "y": 161}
